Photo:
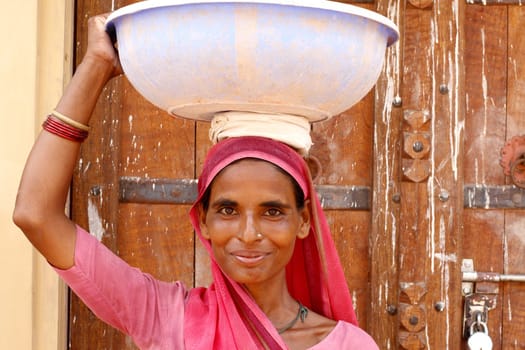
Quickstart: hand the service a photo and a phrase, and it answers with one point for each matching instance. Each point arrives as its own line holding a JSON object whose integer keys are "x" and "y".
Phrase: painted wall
{"x": 34, "y": 61}
{"x": 17, "y": 101}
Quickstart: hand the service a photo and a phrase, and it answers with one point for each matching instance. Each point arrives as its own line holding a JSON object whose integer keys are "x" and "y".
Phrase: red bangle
{"x": 57, "y": 127}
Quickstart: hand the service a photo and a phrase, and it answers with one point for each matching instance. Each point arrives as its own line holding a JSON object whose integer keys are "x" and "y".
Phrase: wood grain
{"x": 486, "y": 94}
{"x": 343, "y": 147}
{"x": 513, "y": 303}
{"x": 384, "y": 235}
{"x": 129, "y": 137}
{"x": 463, "y": 64}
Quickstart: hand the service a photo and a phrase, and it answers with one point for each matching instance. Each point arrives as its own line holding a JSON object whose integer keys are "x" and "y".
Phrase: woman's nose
{"x": 249, "y": 229}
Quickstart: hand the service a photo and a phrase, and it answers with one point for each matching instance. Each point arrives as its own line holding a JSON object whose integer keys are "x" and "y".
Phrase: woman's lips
{"x": 249, "y": 257}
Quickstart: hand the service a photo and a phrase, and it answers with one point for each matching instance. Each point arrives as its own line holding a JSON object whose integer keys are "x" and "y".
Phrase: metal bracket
{"x": 494, "y": 2}
{"x": 493, "y": 197}
{"x": 184, "y": 191}
{"x": 478, "y": 300}
{"x": 467, "y": 287}
{"x": 475, "y": 276}
{"x": 477, "y": 307}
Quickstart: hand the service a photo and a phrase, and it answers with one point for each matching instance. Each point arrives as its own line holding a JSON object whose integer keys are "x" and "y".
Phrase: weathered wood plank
{"x": 416, "y": 93}
{"x": 514, "y": 239}
{"x": 486, "y": 91}
{"x": 513, "y": 298}
{"x": 385, "y": 211}
{"x": 154, "y": 144}
{"x": 429, "y": 226}
{"x": 129, "y": 137}
{"x": 445, "y": 195}
{"x": 495, "y": 2}
{"x": 343, "y": 148}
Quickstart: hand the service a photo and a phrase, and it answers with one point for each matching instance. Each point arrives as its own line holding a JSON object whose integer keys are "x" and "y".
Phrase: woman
{"x": 277, "y": 280}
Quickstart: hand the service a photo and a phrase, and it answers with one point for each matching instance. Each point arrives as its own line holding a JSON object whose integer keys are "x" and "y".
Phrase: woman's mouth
{"x": 249, "y": 257}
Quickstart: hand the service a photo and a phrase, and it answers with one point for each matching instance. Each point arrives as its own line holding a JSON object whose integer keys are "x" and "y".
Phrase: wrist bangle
{"x": 66, "y": 131}
{"x": 70, "y": 121}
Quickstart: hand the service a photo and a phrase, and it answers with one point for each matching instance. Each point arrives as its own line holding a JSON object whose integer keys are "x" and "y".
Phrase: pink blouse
{"x": 150, "y": 311}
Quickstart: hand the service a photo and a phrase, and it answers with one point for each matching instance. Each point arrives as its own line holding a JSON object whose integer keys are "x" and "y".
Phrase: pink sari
{"x": 225, "y": 316}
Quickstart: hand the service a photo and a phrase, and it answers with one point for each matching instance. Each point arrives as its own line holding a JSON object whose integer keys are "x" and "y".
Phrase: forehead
{"x": 247, "y": 165}
{"x": 250, "y": 171}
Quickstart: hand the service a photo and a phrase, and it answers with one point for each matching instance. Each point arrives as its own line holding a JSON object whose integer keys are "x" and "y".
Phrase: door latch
{"x": 479, "y": 300}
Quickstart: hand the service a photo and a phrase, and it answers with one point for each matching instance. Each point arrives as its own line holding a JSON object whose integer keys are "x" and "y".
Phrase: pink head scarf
{"x": 224, "y": 316}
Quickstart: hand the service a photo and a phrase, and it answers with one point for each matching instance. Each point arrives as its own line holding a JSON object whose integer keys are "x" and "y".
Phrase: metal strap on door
{"x": 480, "y": 298}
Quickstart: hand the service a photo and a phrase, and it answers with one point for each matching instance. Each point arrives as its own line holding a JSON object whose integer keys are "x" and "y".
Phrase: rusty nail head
{"x": 414, "y": 320}
{"x": 467, "y": 290}
{"x": 391, "y": 309}
{"x": 95, "y": 191}
{"x": 443, "y": 89}
{"x": 397, "y": 102}
{"x": 444, "y": 196}
{"x": 417, "y": 146}
{"x": 439, "y": 306}
{"x": 396, "y": 198}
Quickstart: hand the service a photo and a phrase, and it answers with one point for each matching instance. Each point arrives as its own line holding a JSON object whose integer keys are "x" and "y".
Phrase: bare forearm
{"x": 81, "y": 95}
{"x": 40, "y": 204}
{"x": 41, "y": 199}
{"x": 50, "y": 166}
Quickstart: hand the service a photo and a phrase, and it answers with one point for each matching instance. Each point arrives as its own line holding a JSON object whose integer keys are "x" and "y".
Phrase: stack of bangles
{"x": 67, "y": 128}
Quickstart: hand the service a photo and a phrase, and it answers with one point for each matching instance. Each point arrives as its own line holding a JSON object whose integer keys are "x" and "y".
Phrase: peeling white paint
{"x": 515, "y": 231}
{"x": 94, "y": 220}
{"x": 509, "y": 309}
{"x": 484, "y": 85}
{"x": 446, "y": 258}
{"x": 86, "y": 168}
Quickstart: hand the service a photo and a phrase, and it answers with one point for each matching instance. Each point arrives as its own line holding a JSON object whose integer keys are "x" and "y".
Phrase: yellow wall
{"x": 34, "y": 63}
{"x": 17, "y": 95}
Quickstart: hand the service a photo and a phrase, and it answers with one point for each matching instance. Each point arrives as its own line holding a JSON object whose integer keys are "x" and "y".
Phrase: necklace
{"x": 302, "y": 312}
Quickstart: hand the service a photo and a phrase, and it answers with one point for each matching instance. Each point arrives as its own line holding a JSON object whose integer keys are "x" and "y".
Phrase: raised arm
{"x": 41, "y": 199}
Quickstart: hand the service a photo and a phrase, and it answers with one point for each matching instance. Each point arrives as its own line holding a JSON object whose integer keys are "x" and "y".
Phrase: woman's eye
{"x": 227, "y": 211}
{"x": 273, "y": 212}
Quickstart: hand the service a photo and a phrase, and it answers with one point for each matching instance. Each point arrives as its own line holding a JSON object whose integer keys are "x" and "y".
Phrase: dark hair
{"x": 298, "y": 192}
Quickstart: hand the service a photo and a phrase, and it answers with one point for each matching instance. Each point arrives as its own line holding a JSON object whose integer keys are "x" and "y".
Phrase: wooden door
{"x": 494, "y": 234}
{"x": 447, "y": 104}
{"x": 392, "y": 172}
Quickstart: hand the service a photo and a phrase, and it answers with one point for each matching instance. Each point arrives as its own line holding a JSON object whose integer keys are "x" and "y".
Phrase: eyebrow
{"x": 275, "y": 204}
{"x": 224, "y": 202}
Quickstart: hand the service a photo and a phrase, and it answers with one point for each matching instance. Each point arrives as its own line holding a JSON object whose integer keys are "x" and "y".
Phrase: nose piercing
{"x": 259, "y": 235}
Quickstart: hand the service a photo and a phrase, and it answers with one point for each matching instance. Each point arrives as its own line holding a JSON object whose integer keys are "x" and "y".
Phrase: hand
{"x": 100, "y": 48}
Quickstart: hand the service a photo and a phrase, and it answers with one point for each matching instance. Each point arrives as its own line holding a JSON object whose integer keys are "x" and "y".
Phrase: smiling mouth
{"x": 249, "y": 258}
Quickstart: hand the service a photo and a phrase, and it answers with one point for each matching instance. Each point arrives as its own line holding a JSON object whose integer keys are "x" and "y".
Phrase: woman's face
{"x": 252, "y": 221}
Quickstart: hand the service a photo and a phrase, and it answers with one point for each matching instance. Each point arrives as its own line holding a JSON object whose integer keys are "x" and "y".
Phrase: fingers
{"x": 100, "y": 45}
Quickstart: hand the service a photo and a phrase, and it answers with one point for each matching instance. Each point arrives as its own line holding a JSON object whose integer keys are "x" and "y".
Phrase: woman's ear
{"x": 304, "y": 229}
{"x": 202, "y": 222}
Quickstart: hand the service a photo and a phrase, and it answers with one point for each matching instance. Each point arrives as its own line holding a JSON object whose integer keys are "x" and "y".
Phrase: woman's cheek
{"x": 222, "y": 230}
